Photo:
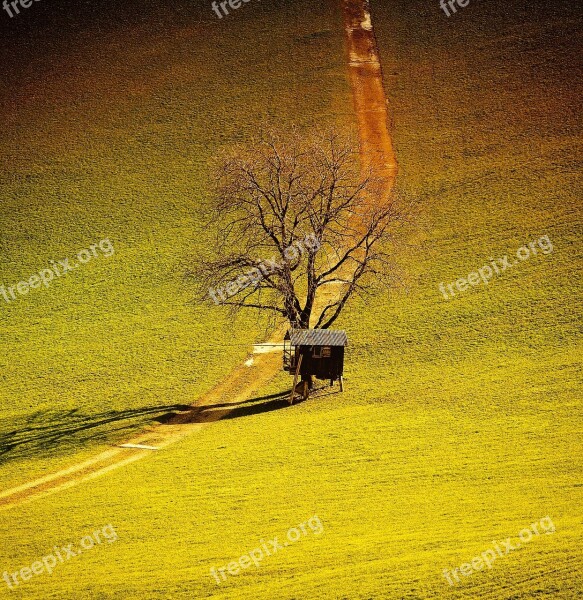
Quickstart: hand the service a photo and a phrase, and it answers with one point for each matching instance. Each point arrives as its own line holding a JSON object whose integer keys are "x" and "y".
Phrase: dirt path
{"x": 377, "y": 153}
{"x": 370, "y": 102}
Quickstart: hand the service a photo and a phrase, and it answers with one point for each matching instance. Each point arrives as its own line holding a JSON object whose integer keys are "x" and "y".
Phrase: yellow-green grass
{"x": 113, "y": 138}
{"x": 460, "y": 424}
{"x": 403, "y": 489}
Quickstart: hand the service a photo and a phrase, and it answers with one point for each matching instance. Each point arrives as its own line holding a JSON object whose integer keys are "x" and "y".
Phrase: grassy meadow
{"x": 460, "y": 424}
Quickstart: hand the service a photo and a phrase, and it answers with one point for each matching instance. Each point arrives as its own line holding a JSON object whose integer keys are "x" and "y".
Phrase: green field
{"x": 461, "y": 420}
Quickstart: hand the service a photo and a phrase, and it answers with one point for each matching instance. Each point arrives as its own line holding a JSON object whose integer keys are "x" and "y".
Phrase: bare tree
{"x": 299, "y": 231}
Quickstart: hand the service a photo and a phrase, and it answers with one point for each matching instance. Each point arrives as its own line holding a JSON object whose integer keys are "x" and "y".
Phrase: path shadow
{"x": 55, "y": 430}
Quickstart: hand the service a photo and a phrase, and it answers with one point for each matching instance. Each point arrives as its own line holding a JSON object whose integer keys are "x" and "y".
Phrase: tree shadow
{"x": 55, "y": 430}
{"x": 58, "y": 431}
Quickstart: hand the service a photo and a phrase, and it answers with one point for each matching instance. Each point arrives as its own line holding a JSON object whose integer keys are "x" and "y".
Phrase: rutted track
{"x": 370, "y": 102}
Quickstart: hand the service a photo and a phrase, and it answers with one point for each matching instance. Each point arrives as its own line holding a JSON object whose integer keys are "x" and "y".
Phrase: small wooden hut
{"x": 314, "y": 353}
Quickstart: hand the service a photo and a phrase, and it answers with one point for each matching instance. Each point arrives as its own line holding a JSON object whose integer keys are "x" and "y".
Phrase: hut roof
{"x": 317, "y": 337}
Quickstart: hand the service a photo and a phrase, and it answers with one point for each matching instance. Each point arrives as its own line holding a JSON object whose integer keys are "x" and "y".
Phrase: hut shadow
{"x": 325, "y": 390}
{"x": 55, "y": 430}
{"x": 246, "y": 408}
{"x": 235, "y": 410}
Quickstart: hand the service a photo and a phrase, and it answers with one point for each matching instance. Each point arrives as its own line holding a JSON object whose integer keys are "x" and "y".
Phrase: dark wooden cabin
{"x": 315, "y": 353}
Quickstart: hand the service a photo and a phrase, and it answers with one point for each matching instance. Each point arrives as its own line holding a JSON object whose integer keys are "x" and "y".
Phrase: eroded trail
{"x": 370, "y": 102}
{"x": 377, "y": 152}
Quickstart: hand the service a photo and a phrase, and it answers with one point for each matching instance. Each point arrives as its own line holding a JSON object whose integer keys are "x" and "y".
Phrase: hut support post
{"x": 293, "y": 392}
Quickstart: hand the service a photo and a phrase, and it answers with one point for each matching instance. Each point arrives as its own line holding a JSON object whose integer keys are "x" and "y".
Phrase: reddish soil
{"x": 370, "y": 102}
